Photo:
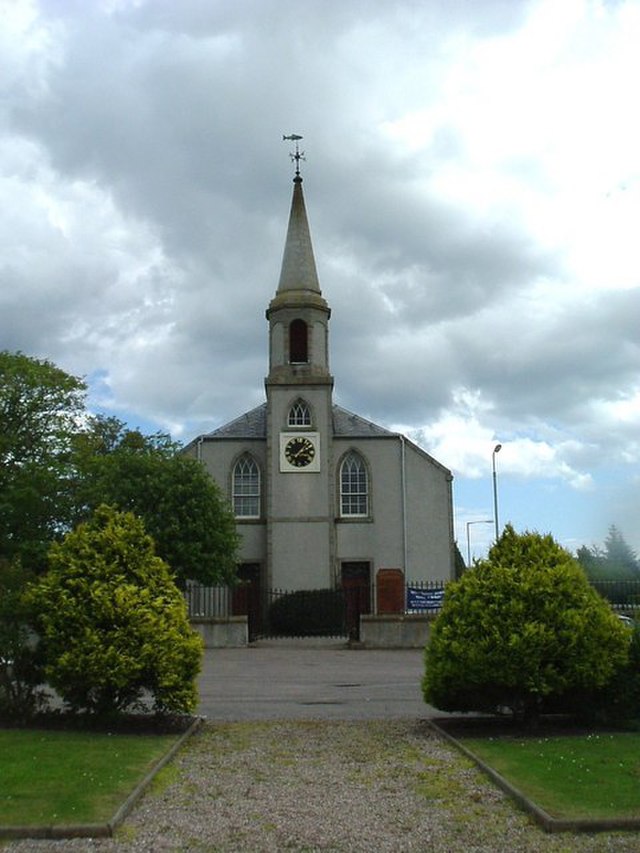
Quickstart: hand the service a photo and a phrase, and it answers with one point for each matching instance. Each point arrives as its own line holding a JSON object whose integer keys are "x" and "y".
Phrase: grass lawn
{"x": 49, "y": 777}
{"x": 570, "y": 776}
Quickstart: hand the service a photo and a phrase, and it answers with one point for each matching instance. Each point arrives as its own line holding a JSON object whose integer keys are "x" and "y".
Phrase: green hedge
{"x": 308, "y": 613}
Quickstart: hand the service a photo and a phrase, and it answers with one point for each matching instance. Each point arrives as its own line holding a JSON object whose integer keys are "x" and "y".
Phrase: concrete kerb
{"x": 102, "y": 830}
{"x": 543, "y": 818}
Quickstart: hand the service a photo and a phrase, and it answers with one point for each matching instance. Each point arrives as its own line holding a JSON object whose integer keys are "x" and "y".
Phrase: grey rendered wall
{"x": 379, "y": 538}
{"x": 427, "y": 525}
{"x": 300, "y": 520}
{"x": 429, "y": 518}
{"x": 218, "y": 457}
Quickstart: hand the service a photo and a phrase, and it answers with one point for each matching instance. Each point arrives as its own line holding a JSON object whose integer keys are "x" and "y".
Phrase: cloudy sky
{"x": 472, "y": 180}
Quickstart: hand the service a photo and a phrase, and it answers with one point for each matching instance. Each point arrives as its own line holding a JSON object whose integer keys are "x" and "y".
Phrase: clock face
{"x": 299, "y": 451}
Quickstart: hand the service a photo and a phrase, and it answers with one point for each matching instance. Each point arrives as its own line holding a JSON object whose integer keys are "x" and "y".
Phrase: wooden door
{"x": 356, "y": 583}
{"x": 246, "y": 597}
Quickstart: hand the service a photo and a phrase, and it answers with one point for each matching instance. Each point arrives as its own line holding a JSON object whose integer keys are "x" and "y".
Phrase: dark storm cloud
{"x": 147, "y": 192}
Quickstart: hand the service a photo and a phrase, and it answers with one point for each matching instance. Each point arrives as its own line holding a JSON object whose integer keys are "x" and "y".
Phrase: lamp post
{"x": 496, "y": 449}
{"x": 469, "y": 523}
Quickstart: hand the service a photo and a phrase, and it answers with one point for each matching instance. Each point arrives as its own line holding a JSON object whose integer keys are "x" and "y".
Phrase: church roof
{"x": 345, "y": 423}
{"x": 253, "y": 424}
{"x": 298, "y": 270}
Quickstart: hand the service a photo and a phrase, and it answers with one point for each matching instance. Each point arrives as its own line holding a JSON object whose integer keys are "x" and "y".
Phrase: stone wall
{"x": 395, "y": 631}
{"x": 221, "y": 633}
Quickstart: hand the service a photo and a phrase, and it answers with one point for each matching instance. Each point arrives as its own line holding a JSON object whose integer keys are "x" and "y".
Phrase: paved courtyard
{"x": 270, "y": 682}
{"x": 347, "y": 765}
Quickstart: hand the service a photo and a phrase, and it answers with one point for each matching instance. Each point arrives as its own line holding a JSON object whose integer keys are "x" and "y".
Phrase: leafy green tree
{"x": 40, "y": 408}
{"x": 519, "y": 628}
{"x": 57, "y": 464}
{"x": 620, "y": 557}
{"x": 112, "y": 622}
{"x": 615, "y": 563}
{"x": 20, "y": 674}
{"x": 182, "y": 507}
{"x": 592, "y": 561}
{"x": 458, "y": 562}
{"x": 104, "y": 434}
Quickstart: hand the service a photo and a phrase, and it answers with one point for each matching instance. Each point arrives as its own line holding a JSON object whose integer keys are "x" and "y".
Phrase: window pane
{"x": 246, "y": 488}
{"x": 354, "y": 487}
{"x": 299, "y": 414}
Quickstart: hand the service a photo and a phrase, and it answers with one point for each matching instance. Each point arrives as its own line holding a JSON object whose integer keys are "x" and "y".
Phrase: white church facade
{"x": 322, "y": 497}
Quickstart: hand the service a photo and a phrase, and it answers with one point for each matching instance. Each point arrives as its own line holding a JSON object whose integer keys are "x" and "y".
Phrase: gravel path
{"x": 328, "y": 786}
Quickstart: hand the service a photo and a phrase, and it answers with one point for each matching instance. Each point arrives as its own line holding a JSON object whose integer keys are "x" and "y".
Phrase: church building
{"x": 323, "y": 498}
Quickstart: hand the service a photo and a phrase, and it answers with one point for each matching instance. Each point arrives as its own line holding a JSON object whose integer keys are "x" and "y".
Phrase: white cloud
{"x": 473, "y": 192}
{"x": 466, "y": 433}
{"x": 84, "y": 282}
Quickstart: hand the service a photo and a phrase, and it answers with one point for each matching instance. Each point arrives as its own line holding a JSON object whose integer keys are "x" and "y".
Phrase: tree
{"x": 615, "y": 561}
{"x": 592, "y": 561}
{"x": 182, "y": 507}
{"x": 620, "y": 557}
{"x": 20, "y": 674}
{"x": 112, "y": 621}
{"x": 458, "y": 562}
{"x": 519, "y": 628}
{"x": 40, "y": 408}
{"x": 58, "y": 464}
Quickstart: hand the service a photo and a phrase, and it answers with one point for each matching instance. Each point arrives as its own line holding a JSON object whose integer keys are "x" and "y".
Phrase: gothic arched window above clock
{"x": 354, "y": 486}
{"x": 299, "y": 415}
{"x": 298, "y": 342}
{"x": 246, "y": 487}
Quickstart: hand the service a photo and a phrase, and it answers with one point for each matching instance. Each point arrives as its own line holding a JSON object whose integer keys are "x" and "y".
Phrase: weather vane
{"x": 299, "y": 155}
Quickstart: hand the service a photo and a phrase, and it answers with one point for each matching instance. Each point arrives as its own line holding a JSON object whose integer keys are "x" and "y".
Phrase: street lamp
{"x": 496, "y": 449}
{"x": 469, "y": 523}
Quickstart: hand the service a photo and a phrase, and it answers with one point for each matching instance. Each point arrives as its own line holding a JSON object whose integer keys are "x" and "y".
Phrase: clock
{"x": 299, "y": 451}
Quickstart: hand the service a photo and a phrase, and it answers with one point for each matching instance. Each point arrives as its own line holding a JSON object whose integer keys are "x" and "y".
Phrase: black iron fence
{"x": 284, "y": 613}
{"x": 336, "y": 612}
{"x": 427, "y": 596}
{"x": 623, "y": 594}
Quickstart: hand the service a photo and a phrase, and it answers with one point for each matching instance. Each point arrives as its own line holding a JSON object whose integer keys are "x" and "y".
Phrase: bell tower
{"x": 300, "y": 540}
{"x": 298, "y": 314}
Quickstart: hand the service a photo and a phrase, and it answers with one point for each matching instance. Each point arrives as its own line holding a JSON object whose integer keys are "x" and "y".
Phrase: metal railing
{"x": 420, "y": 597}
{"x": 622, "y": 594}
{"x": 209, "y": 602}
{"x": 278, "y": 612}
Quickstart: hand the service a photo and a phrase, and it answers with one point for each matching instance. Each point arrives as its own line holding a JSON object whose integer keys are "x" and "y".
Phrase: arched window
{"x": 246, "y": 488}
{"x": 299, "y": 415}
{"x": 354, "y": 486}
{"x": 298, "y": 342}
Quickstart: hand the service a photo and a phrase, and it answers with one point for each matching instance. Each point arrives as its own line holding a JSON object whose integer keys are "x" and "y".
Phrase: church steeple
{"x": 298, "y": 264}
{"x": 298, "y": 314}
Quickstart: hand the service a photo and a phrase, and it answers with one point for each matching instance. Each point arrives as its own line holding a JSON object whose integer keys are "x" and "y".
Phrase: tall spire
{"x": 298, "y": 270}
{"x": 298, "y": 314}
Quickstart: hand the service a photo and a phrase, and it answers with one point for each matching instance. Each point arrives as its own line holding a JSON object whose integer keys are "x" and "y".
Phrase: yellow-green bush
{"x": 520, "y": 628}
{"x": 112, "y": 622}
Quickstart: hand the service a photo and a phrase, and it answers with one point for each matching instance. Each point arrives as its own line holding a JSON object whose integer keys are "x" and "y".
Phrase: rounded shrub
{"x": 113, "y": 624}
{"x": 521, "y": 628}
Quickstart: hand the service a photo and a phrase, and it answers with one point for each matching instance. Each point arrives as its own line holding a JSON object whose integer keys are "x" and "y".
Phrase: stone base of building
{"x": 395, "y": 631}
{"x": 221, "y": 633}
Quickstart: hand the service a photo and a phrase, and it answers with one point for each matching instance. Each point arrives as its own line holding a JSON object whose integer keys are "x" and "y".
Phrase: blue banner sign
{"x": 424, "y": 599}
